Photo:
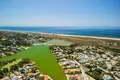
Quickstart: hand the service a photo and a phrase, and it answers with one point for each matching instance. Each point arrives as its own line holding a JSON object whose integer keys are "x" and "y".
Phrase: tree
{"x": 98, "y": 71}
{"x": 41, "y": 78}
{"x": 22, "y": 70}
{"x": 1, "y": 74}
{"x": 20, "y": 64}
{"x": 5, "y": 70}
{"x": 26, "y": 60}
{"x": 13, "y": 68}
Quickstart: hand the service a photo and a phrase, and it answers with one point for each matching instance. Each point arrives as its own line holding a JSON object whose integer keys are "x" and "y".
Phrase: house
{"x": 75, "y": 77}
{"x": 107, "y": 77}
{"x": 109, "y": 66}
{"x": 72, "y": 70}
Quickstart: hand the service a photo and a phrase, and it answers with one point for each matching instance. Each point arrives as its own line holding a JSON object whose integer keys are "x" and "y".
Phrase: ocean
{"x": 112, "y": 33}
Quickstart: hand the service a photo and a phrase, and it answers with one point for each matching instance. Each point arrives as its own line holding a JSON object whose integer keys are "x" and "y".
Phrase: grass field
{"x": 43, "y": 58}
{"x": 58, "y": 42}
{"x": 13, "y": 63}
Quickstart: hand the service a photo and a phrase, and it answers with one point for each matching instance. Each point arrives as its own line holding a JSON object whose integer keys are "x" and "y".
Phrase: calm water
{"x": 43, "y": 58}
{"x": 115, "y": 33}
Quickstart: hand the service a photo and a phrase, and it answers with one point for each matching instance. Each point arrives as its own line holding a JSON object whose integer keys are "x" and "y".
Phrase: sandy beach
{"x": 66, "y": 35}
{"x": 107, "y": 38}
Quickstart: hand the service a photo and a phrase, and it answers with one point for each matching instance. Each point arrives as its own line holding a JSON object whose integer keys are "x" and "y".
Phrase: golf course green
{"x": 43, "y": 58}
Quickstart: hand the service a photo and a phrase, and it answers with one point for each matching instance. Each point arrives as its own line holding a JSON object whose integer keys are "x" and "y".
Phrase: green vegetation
{"x": 97, "y": 74}
{"x": 13, "y": 63}
{"x": 58, "y": 42}
{"x": 44, "y": 59}
{"x": 4, "y": 39}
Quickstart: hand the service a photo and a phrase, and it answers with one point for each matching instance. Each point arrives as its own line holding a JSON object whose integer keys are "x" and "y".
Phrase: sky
{"x": 60, "y": 13}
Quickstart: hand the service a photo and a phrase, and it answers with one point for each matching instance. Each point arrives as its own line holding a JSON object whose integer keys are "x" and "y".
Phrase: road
{"x": 85, "y": 77}
{"x": 102, "y": 69}
{"x": 108, "y": 72}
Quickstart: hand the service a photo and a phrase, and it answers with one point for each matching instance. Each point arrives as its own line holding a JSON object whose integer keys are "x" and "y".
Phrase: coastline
{"x": 65, "y": 35}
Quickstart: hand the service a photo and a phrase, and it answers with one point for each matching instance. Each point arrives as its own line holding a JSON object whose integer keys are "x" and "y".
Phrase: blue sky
{"x": 59, "y": 12}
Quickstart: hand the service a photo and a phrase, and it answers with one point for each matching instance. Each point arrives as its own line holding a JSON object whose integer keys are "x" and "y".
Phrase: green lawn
{"x": 43, "y": 58}
{"x": 58, "y": 42}
{"x": 13, "y": 63}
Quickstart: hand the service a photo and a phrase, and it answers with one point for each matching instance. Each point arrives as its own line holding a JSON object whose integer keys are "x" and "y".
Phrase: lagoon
{"x": 43, "y": 58}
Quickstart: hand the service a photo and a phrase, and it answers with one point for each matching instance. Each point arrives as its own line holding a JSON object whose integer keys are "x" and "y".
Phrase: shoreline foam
{"x": 67, "y": 35}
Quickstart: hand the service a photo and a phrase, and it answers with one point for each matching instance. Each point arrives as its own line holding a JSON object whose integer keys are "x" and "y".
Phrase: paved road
{"x": 102, "y": 69}
{"x": 85, "y": 77}
{"x": 108, "y": 72}
{"x": 116, "y": 78}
